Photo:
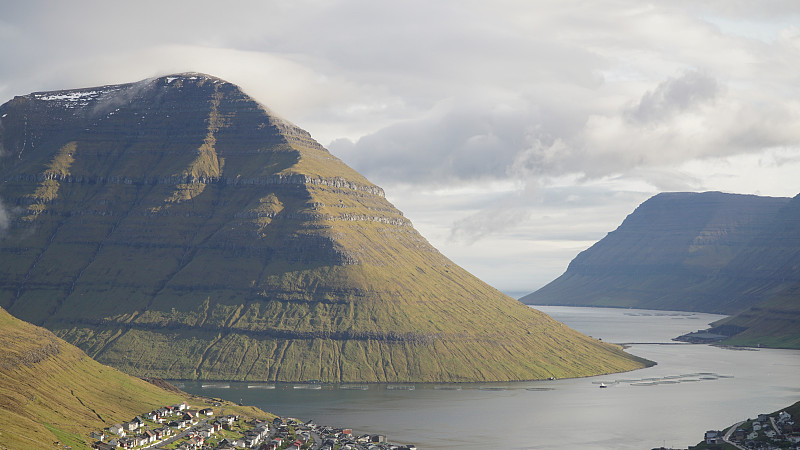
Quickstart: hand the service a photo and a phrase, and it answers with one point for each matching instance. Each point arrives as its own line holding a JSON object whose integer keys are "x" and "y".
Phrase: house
{"x": 99, "y": 445}
{"x": 206, "y": 431}
{"x": 206, "y": 412}
{"x": 117, "y": 429}
{"x": 739, "y": 435}
{"x": 180, "y": 406}
{"x": 713, "y": 437}
{"x": 130, "y": 426}
{"x": 763, "y": 417}
{"x": 98, "y": 435}
{"x": 149, "y": 436}
{"x": 229, "y": 419}
{"x": 251, "y": 440}
{"x": 783, "y": 416}
{"x": 195, "y": 442}
{"x": 162, "y": 433}
{"x": 377, "y": 438}
{"x": 142, "y": 439}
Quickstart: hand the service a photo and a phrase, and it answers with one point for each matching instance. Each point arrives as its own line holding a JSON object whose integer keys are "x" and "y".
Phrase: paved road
{"x": 727, "y": 437}
{"x": 180, "y": 435}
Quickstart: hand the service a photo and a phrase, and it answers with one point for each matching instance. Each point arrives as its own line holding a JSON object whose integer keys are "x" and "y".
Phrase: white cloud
{"x": 553, "y": 112}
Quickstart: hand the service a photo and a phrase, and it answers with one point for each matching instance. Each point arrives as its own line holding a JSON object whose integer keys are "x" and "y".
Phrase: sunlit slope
{"x": 176, "y": 228}
{"x": 51, "y": 391}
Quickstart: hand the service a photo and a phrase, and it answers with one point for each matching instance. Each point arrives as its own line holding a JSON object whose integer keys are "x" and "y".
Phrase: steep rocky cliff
{"x": 175, "y": 227}
{"x": 709, "y": 252}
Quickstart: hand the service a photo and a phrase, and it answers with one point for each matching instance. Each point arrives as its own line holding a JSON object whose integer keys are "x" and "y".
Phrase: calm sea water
{"x": 693, "y": 388}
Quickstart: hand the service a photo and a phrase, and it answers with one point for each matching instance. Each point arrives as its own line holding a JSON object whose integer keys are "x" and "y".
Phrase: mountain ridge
{"x": 185, "y": 232}
{"x": 656, "y": 259}
{"x": 707, "y": 252}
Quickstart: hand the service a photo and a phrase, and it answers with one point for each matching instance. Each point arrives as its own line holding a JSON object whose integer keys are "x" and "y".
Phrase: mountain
{"x": 175, "y": 227}
{"x": 676, "y": 251}
{"x": 770, "y": 270}
{"x": 51, "y": 391}
{"x": 708, "y": 252}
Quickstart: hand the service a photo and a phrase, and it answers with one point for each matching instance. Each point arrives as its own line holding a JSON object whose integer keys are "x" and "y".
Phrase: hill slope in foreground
{"x": 50, "y": 391}
{"x": 176, "y": 228}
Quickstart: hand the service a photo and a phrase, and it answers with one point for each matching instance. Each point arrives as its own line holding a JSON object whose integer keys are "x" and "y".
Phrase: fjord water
{"x": 693, "y": 388}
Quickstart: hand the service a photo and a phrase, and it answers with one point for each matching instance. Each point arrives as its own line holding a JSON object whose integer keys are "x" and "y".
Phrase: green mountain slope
{"x": 51, "y": 391}
{"x": 676, "y": 251}
{"x": 176, "y": 228}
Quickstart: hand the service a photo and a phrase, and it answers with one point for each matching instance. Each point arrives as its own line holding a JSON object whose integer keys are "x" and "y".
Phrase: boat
{"x": 603, "y": 385}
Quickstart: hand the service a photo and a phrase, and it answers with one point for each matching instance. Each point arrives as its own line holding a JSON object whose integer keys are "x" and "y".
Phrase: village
{"x": 767, "y": 432}
{"x": 179, "y": 427}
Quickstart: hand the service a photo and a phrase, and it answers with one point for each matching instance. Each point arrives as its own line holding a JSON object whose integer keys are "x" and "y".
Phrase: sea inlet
{"x": 693, "y": 388}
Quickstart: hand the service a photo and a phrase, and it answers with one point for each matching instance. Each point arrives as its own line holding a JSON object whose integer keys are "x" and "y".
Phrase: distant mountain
{"x": 51, "y": 391}
{"x": 770, "y": 268}
{"x": 177, "y": 228}
{"x": 709, "y": 252}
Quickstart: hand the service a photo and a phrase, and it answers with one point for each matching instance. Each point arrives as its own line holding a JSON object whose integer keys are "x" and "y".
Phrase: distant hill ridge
{"x": 175, "y": 227}
{"x": 709, "y": 252}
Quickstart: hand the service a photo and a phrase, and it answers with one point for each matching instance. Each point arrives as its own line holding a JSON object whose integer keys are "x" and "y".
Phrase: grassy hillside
{"x": 50, "y": 391}
{"x": 773, "y": 323}
{"x": 176, "y": 228}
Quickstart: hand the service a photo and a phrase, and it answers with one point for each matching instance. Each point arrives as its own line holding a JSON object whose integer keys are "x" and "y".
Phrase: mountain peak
{"x": 175, "y": 228}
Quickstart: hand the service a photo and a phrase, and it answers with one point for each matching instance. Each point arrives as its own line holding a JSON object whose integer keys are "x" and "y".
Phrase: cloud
{"x": 462, "y": 141}
{"x": 486, "y": 222}
{"x": 488, "y": 111}
{"x": 674, "y": 96}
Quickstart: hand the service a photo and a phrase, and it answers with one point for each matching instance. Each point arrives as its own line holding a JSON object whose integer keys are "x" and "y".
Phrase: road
{"x": 180, "y": 435}
{"x": 727, "y": 437}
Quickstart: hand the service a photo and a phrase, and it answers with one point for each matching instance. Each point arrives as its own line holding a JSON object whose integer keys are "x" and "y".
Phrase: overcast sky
{"x": 514, "y": 134}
